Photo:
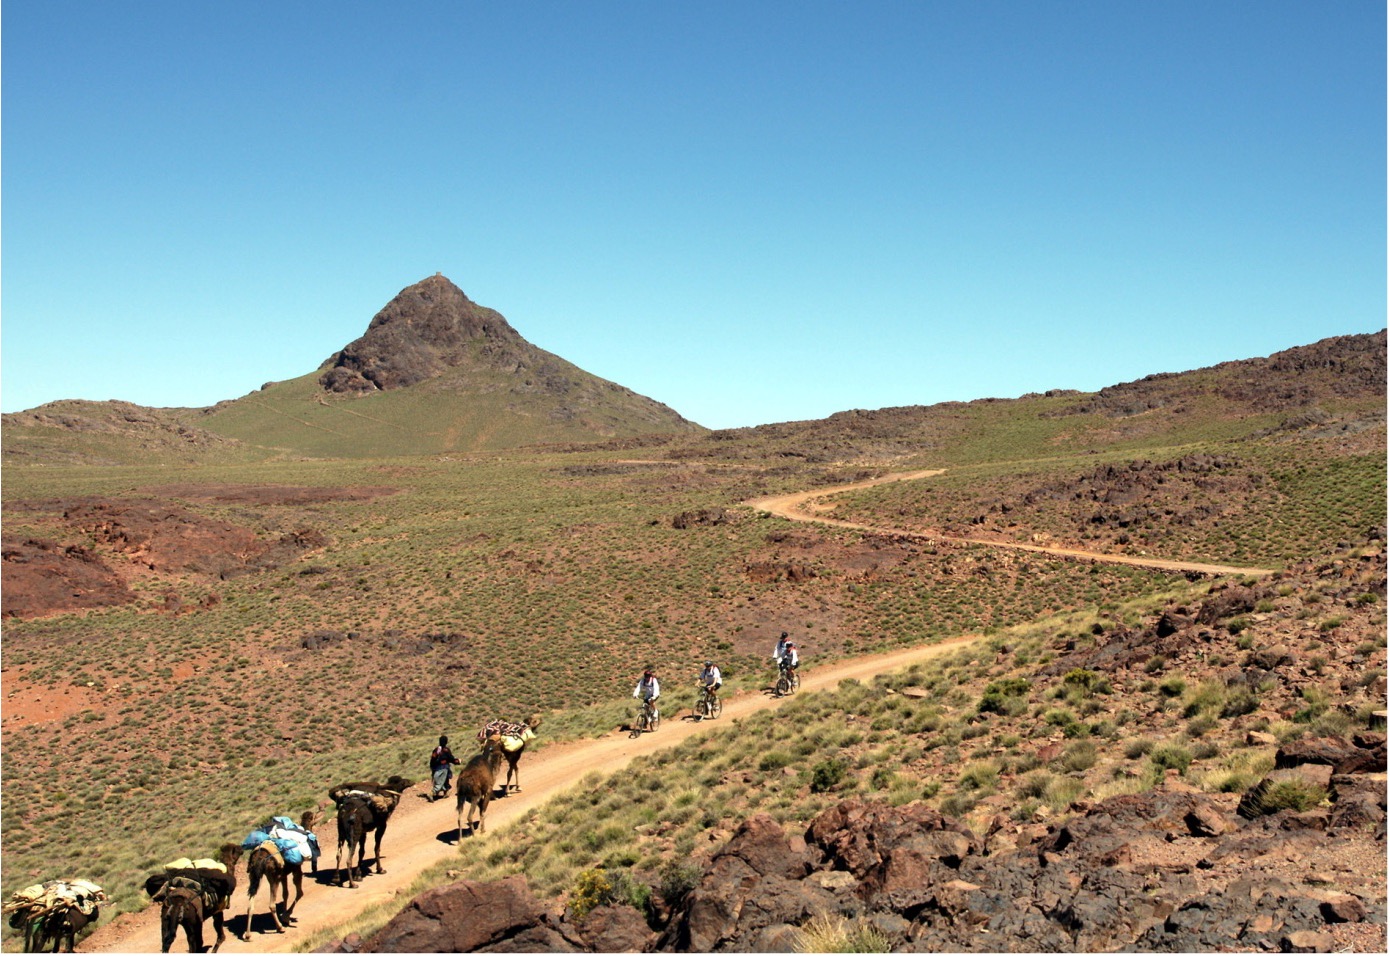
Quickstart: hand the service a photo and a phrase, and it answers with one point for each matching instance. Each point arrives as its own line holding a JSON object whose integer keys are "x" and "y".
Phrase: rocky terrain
{"x": 87, "y": 550}
{"x": 1290, "y": 858}
{"x": 232, "y": 608}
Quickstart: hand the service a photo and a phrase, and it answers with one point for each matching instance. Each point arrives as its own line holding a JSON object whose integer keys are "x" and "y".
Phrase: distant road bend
{"x": 804, "y": 505}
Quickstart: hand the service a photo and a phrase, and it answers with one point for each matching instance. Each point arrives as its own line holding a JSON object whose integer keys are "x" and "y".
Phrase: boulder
{"x": 755, "y": 882}
{"x": 1343, "y": 756}
{"x": 462, "y": 917}
{"x": 616, "y": 929}
{"x": 1307, "y": 941}
{"x": 897, "y": 853}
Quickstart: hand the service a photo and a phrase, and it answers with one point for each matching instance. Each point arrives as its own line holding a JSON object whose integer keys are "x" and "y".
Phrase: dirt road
{"x": 809, "y": 506}
{"x": 420, "y": 831}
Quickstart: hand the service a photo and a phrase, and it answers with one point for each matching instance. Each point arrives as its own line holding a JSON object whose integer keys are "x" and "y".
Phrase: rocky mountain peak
{"x": 427, "y": 328}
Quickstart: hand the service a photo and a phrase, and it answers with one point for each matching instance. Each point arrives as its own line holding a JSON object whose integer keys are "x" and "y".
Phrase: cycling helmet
{"x": 709, "y": 663}
{"x": 791, "y": 643}
{"x": 648, "y": 674}
{"x": 784, "y": 633}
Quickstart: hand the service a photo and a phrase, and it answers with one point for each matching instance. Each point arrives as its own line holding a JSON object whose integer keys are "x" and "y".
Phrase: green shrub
{"x": 980, "y": 776}
{"x": 826, "y": 774}
{"x": 1006, "y": 696}
{"x": 1291, "y": 794}
{"x": 1239, "y": 703}
{"x": 774, "y": 760}
{"x": 1138, "y": 747}
{"x": 1172, "y": 687}
{"x": 1170, "y": 756}
{"x": 591, "y": 889}
{"x": 1087, "y": 681}
{"x": 1078, "y": 756}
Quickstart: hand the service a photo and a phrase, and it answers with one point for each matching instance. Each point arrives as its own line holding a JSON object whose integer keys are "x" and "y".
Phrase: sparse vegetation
{"x": 544, "y": 579}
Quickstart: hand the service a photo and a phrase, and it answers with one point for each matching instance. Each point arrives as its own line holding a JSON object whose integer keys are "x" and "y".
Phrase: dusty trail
{"x": 418, "y": 835}
{"x": 420, "y": 831}
{"x": 803, "y": 505}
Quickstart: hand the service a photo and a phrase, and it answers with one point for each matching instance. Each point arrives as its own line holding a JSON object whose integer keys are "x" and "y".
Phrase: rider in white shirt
{"x": 711, "y": 679}
{"x": 780, "y": 649}
{"x": 648, "y": 688}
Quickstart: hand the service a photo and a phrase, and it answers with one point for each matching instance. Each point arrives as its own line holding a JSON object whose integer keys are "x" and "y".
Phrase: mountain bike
{"x": 788, "y": 680}
{"x": 708, "y": 705}
{"x": 647, "y": 718}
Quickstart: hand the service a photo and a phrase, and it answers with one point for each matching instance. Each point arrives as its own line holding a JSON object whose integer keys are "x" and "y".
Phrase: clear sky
{"x": 751, "y": 211}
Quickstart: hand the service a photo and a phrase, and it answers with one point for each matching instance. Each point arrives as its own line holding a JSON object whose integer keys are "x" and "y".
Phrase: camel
{"x": 513, "y": 746}
{"x": 55, "y": 911}
{"x": 476, "y": 781}
{"x": 189, "y": 894}
{"x": 267, "y": 861}
{"x": 364, "y": 808}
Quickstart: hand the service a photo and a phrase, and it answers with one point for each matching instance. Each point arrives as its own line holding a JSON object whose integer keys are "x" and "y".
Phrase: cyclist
{"x": 780, "y": 649}
{"x": 789, "y": 660}
{"x": 710, "y": 679}
{"x": 648, "y": 689}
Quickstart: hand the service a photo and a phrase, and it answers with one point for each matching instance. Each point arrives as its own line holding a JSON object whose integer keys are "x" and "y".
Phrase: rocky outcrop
{"x": 46, "y": 577}
{"x": 1104, "y": 880}
{"x": 427, "y": 328}
{"x": 1168, "y": 870}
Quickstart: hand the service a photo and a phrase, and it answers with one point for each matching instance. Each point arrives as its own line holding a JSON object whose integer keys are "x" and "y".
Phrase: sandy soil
{"x": 421, "y": 833}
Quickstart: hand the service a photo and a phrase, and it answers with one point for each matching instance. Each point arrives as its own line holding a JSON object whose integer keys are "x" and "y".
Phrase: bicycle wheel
{"x": 654, "y": 721}
{"x": 795, "y": 681}
{"x": 716, "y": 707}
{"x": 783, "y": 687}
{"x": 702, "y": 709}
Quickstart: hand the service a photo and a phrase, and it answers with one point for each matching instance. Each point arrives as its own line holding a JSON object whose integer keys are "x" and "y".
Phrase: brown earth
{"x": 94, "y": 547}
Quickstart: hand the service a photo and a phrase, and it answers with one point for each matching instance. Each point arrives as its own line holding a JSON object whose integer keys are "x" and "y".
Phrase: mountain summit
{"x": 426, "y": 329}
{"x": 436, "y": 372}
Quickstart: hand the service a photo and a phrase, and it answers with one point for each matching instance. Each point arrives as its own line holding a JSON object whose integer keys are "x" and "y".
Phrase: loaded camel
{"x": 268, "y": 861}
{"x": 56, "y": 910}
{"x": 363, "y": 808}
{"x": 513, "y": 746}
{"x": 189, "y": 891}
{"x": 476, "y": 781}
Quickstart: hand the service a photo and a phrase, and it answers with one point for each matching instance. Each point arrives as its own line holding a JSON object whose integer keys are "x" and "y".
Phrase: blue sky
{"x": 751, "y": 211}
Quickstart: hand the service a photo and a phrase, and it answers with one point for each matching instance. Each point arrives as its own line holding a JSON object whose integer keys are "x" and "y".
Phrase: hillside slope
{"x": 433, "y": 373}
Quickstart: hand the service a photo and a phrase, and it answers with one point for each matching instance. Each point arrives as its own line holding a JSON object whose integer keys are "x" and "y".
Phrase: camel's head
{"x": 310, "y": 819}
{"x": 533, "y": 721}
{"x": 229, "y": 854}
{"x": 399, "y": 784}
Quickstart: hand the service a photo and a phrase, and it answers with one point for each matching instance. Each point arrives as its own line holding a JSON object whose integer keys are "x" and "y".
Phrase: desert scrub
{"x": 983, "y": 776}
{"x": 1078, "y": 755}
{"x": 828, "y": 774}
{"x": 1272, "y": 796}
{"x": 1008, "y": 697}
{"x": 836, "y": 934}
{"x": 1170, "y": 756}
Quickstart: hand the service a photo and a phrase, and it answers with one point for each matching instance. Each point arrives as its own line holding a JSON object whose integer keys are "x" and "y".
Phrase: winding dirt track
{"x": 421, "y": 832}
{"x": 803, "y": 505}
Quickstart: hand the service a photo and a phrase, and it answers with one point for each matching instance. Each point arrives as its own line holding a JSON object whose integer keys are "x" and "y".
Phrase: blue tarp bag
{"x": 290, "y": 851}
